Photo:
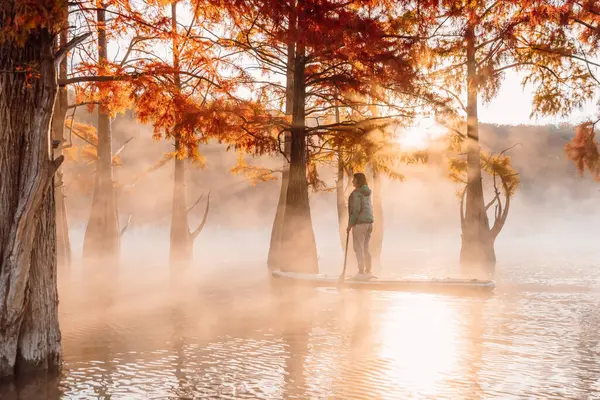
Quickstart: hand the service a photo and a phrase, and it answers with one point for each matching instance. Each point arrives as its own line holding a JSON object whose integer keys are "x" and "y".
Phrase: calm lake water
{"x": 536, "y": 338}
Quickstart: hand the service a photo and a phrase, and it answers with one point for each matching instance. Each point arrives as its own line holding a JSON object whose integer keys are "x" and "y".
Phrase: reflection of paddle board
{"x": 406, "y": 285}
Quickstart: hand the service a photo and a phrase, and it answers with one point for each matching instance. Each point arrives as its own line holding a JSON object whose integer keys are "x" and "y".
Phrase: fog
{"x": 222, "y": 330}
{"x": 421, "y": 213}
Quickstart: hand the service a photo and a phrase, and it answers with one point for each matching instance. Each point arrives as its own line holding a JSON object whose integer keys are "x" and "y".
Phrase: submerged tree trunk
{"x": 298, "y": 247}
{"x": 39, "y": 342}
{"x": 275, "y": 257}
{"x": 377, "y": 235}
{"x": 477, "y": 242}
{"x": 29, "y": 331}
{"x": 182, "y": 240}
{"x": 102, "y": 236}
{"x": 63, "y": 243}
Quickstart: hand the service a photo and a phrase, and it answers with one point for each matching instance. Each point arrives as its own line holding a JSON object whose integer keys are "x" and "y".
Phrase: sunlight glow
{"x": 420, "y": 135}
{"x": 420, "y": 344}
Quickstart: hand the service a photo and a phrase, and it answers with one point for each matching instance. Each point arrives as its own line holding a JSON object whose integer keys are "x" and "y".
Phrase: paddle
{"x": 343, "y": 275}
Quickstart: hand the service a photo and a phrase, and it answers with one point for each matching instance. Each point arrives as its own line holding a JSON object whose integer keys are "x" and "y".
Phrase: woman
{"x": 360, "y": 222}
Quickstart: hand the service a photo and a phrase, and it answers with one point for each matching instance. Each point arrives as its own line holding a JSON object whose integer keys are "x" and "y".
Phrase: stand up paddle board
{"x": 405, "y": 285}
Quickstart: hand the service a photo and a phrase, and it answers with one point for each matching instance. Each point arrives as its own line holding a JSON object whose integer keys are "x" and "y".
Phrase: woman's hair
{"x": 361, "y": 179}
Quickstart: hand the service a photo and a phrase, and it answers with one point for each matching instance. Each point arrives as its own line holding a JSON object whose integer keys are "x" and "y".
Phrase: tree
{"x": 470, "y": 45}
{"x": 189, "y": 101}
{"x": 504, "y": 179}
{"x": 275, "y": 257}
{"x": 104, "y": 83}
{"x": 331, "y": 56}
{"x": 182, "y": 238}
{"x": 29, "y": 56}
{"x": 571, "y": 51}
{"x": 102, "y": 239}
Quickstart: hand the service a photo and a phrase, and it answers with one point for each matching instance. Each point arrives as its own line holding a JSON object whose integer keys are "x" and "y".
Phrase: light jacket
{"x": 360, "y": 209}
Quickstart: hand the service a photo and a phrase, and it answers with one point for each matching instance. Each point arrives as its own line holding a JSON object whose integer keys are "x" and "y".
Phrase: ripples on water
{"x": 537, "y": 337}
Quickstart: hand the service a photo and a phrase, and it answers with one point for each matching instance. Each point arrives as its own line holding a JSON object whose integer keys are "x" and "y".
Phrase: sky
{"x": 512, "y": 106}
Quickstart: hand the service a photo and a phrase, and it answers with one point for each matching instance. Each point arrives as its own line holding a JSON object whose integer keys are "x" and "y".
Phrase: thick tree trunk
{"x": 477, "y": 243}
{"x": 63, "y": 243}
{"x": 102, "y": 236}
{"x": 29, "y": 332}
{"x": 299, "y": 247}
{"x": 275, "y": 257}
{"x": 39, "y": 342}
{"x": 377, "y": 236}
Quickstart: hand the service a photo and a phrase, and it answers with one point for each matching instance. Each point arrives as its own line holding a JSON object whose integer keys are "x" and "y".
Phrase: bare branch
{"x": 501, "y": 215}
{"x": 510, "y": 148}
{"x": 62, "y": 52}
{"x": 103, "y": 78}
{"x": 83, "y": 103}
{"x": 123, "y": 146}
{"x": 134, "y": 41}
{"x": 196, "y": 203}
{"x": 83, "y": 138}
{"x": 196, "y": 232}
{"x": 496, "y": 197}
{"x": 462, "y": 206}
{"x": 126, "y": 225}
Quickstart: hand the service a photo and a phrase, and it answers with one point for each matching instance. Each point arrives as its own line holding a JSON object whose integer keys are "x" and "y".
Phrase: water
{"x": 536, "y": 338}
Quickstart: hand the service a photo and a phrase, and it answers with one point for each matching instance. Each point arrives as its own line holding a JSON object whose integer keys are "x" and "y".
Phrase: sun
{"x": 420, "y": 135}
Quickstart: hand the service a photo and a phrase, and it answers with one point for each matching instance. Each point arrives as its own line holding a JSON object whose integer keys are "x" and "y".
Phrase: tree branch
{"x": 83, "y": 103}
{"x": 62, "y": 52}
{"x": 462, "y": 207}
{"x": 103, "y": 78}
{"x": 196, "y": 232}
{"x": 123, "y": 146}
{"x": 196, "y": 203}
{"x": 126, "y": 225}
{"x": 502, "y": 214}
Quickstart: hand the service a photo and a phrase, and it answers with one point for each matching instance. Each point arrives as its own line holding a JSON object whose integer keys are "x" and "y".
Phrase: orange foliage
{"x": 21, "y": 17}
{"x": 583, "y": 150}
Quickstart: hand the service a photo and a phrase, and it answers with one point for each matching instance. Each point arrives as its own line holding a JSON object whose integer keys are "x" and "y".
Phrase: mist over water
{"x": 227, "y": 332}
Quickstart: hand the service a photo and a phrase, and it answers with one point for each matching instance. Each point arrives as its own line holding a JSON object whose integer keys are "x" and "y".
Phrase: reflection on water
{"x": 254, "y": 341}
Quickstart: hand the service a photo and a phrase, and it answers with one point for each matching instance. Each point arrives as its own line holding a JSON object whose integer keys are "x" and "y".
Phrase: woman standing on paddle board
{"x": 360, "y": 222}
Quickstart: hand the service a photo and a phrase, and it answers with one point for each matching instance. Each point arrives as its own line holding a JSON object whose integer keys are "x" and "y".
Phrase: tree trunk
{"x": 181, "y": 249}
{"x": 342, "y": 207}
{"x": 275, "y": 257}
{"x": 63, "y": 243}
{"x": 39, "y": 342}
{"x": 29, "y": 332}
{"x": 298, "y": 247}
{"x": 102, "y": 236}
{"x": 182, "y": 244}
{"x": 377, "y": 236}
{"x": 182, "y": 239}
{"x": 477, "y": 244}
